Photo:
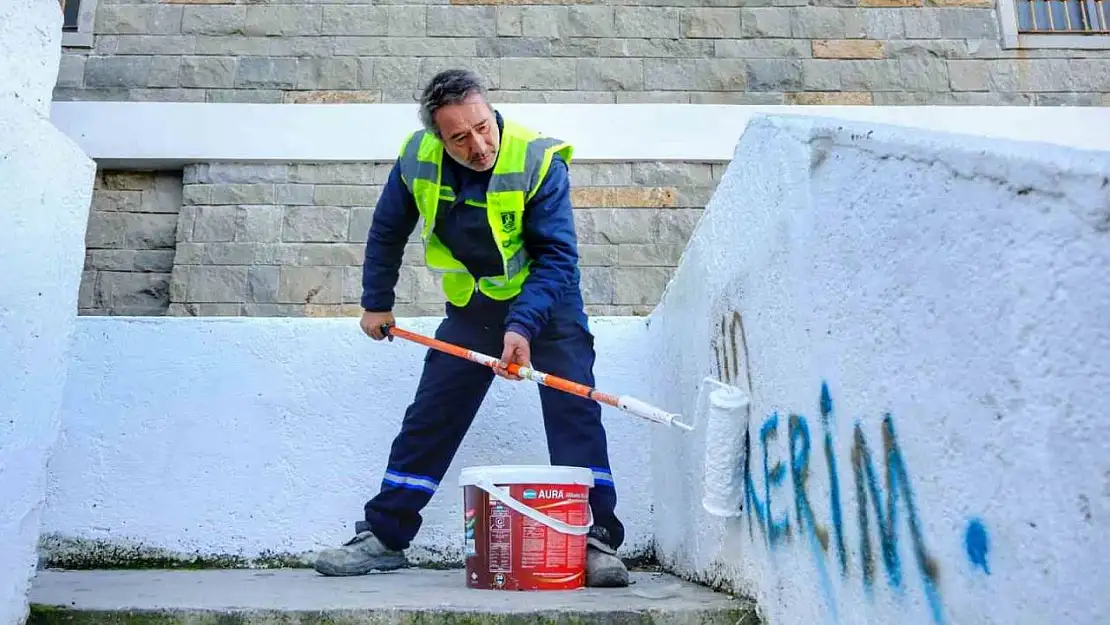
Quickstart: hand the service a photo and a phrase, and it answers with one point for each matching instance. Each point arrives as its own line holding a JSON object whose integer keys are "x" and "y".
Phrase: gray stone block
{"x": 283, "y": 20}
{"x": 232, "y": 45}
{"x": 139, "y": 19}
{"x": 310, "y": 285}
{"x": 827, "y": 23}
{"x": 360, "y": 218}
{"x": 341, "y": 254}
{"x": 347, "y": 195}
{"x": 590, "y": 21}
{"x": 294, "y": 194}
{"x": 118, "y": 71}
{"x": 763, "y": 48}
{"x": 170, "y": 45}
{"x": 950, "y": 23}
{"x": 600, "y": 174}
{"x": 514, "y": 47}
{"x": 924, "y": 74}
{"x": 136, "y": 231}
{"x": 391, "y": 73}
{"x": 765, "y": 22}
{"x": 537, "y": 73}
{"x": 315, "y": 223}
{"x": 649, "y": 255}
{"x": 667, "y": 173}
{"x": 544, "y": 21}
{"x": 774, "y": 75}
{"x": 117, "y": 201}
{"x": 215, "y": 223}
{"x": 676, "y": 225}
{"x": 263, "y": 284}
{"x": 361, "y": 20}
{"x": 616, "y": 225}
{"x": 598, "y": 285}
{"x": 462, "y": 21}
{"x": 646, "y": 22}
{"x": 273, "y": 72}
{"x": 213, "y": 20}
{"x": 510, "y": 21}
{"x": 820, "y": 75}
{"x": 592, "y": 255}
{"x": 883, "y": 23}
{"x": 640, "y": 285}
{"x": 710, "y": 23}
{"x": 130, "y": 260}
{"x": 695, "y": 74}
{"x": 248, "y": 95}
{"x": 223, "y": 173}
{"x": 71, "y": 71}
{"x": 249, "y": 193}
{"x": 226, "y": 253}
{"x": 610, "y": 74}
{"x": 871, "y": 75}
{"x": 213, "y": 283}
{"x": 208, "y": 71}
{"x": 327, "y": 73}
{"x": 146, "y": 293}
{"x": 406, "y": 20}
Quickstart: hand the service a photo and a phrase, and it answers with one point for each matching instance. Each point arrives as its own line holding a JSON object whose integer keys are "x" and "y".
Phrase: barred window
{"x": 1063, "y": 16}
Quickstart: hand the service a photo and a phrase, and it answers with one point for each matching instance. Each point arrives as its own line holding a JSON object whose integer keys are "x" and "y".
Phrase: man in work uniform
{"x": 498, "y": 227}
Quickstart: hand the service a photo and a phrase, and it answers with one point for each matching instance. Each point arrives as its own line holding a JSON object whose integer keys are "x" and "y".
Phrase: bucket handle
{"x": 536, "y": 515}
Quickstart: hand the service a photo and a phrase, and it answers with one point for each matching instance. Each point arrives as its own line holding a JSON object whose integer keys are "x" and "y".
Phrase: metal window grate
{"x": 1073, "y": 17}
{"x": 70, "y": 9}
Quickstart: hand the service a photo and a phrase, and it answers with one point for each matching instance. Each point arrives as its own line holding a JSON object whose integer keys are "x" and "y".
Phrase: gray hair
{"x": 448, "y": 87}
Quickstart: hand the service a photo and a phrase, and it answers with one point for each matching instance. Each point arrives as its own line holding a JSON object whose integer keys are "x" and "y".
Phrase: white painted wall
{"x": 169, "y": 134}
{"x": 959, "y": 286}
{"x": 45, "y": 190}
{"x": 256, "y": 436}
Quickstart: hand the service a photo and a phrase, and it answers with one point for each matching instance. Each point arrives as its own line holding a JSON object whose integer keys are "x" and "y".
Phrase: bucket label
{"x": 500, "y": 539}
{"x": 508, "y": 550}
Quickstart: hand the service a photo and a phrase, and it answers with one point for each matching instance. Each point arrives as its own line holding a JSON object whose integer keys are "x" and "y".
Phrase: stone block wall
{"x": 288, "y": 240}
{"x": 130, "y": 243}
{"x": 698, "y": 51}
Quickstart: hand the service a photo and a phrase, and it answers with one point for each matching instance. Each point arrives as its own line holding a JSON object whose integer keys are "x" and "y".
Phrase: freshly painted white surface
{"x": 30, "y": 33}
{"x": 45, "y": 190}
{"x": 957, "y": 285}
{"x": 248, "y": 436}
{"x": 168, "y": 134}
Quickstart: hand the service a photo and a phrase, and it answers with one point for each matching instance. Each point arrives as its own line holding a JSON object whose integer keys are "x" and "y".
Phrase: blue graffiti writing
{"x": 977, "y": 545}
{"x": 884, "y": 500}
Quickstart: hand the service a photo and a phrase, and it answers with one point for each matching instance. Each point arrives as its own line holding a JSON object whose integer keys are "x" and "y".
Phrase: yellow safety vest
{"x": 522, "y": 163}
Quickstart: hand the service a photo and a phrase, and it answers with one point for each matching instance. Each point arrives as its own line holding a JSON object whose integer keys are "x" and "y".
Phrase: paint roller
{"x": 725, "y": 426}
{"x": 626, "y": 403}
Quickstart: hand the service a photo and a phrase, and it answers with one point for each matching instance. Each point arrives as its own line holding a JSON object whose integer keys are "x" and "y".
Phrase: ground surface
{"x": 407, "y": 596}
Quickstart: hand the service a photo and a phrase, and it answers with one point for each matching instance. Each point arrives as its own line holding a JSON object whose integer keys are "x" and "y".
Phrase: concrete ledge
{"x": 127, "y": 135}
{"x": 403, "y": 597}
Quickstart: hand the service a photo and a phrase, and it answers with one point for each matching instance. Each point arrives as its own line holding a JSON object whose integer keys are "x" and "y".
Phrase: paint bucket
{"x": 525, "y": 526}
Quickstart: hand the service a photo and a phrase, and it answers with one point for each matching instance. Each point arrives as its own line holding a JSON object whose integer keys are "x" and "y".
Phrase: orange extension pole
{"x": 622, "y": 402}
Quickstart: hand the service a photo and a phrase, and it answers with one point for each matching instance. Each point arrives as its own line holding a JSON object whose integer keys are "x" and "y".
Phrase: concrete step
{"x": 406, "y": 597}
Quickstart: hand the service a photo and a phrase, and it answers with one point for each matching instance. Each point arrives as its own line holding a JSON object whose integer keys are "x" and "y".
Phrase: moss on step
{"x": 51, "y": 615}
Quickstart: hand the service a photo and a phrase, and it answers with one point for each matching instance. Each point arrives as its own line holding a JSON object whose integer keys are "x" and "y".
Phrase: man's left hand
{"x": 517, "y": 351}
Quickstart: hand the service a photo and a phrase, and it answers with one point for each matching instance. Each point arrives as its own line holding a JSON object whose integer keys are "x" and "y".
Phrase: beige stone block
{"x": 624, "y": 197}
{"x": 830, "y": 97}
{"x": 847, "y": 49}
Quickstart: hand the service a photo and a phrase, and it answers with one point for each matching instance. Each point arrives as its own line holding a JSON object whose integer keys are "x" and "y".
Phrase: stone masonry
{"x": 880, "y": 52}
{"x": 130, "y": 243}
{"x": 288, "y": 240}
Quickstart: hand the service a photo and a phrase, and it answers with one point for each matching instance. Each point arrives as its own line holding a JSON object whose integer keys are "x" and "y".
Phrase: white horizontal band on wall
{"x": 132, "y": 135}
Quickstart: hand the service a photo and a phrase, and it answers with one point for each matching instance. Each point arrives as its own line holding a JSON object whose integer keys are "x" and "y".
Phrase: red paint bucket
{"x": 526, "y": 526}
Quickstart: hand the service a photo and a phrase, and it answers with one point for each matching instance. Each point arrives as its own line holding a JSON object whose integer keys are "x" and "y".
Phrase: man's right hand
{"x": 372, "y": 323}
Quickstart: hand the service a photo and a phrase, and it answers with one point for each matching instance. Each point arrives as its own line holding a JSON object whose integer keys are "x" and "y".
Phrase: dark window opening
{"x": 70, "y": 9}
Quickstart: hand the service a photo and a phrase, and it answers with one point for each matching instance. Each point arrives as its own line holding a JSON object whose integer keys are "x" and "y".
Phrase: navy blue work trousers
{"x": 449, "y": 394}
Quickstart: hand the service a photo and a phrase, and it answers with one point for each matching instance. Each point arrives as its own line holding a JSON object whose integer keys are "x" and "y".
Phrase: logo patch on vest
{"x": 508, "y": 221}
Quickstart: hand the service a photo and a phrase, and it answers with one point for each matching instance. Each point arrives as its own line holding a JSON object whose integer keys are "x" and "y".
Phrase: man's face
{"x": 469, "y": 132}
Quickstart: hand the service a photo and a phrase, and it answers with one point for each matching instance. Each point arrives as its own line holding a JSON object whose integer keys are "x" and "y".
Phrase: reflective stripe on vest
{"x": 522, "y": 163}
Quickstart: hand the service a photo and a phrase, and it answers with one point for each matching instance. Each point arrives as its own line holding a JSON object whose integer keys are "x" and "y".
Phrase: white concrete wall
{"x": 923, "y": 321}
{"x": 253, "y": 438}
{"x": 169, "y": 134}
{"x": 45, "y": 190}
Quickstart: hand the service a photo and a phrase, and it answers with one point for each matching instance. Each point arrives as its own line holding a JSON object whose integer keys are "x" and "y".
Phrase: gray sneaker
{"x": 603, "y": 568}
{"x": 358, "y": 556}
